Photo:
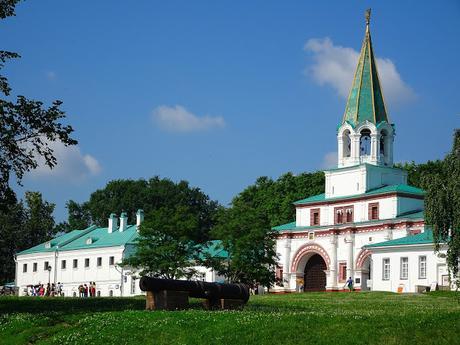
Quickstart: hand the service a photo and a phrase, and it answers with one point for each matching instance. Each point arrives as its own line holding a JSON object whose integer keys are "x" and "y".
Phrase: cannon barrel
{"x": 197, "y": 289}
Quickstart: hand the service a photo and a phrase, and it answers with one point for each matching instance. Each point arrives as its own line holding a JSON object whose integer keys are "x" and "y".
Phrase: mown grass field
{"x": 308, "y": 318}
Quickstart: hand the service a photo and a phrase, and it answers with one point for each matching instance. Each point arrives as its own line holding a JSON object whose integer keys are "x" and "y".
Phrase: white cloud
{"x": 71, "y": 165}
{"x": 335, "y": 66}
{"x": 179, "y": 119}
{"x": 329, "y": 160}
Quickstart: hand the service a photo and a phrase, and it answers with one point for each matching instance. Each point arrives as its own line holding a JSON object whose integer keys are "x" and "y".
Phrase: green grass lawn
{"x": 308, "y": 318}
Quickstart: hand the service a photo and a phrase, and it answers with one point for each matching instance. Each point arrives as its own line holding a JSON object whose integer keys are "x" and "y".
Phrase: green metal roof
{"x": 292, "y": 226}
{"x": 78, "y": 239}
{"x": 397, "y": 188}
{"x": 94, "y": 237}
{"x": 425, "y": 237}
{"x": 365, "y": 101}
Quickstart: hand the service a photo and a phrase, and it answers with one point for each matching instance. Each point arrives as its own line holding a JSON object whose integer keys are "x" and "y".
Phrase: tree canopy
{"x": 23, "y": 225}
{"x": 176, "y": 228}
{"x": 442, "y": 205}
{"x": 26, "y": 127}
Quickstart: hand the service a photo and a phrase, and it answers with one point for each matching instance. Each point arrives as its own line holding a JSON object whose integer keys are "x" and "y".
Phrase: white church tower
{"x": 365, "y": 136}
{"x": 366, "y": 199}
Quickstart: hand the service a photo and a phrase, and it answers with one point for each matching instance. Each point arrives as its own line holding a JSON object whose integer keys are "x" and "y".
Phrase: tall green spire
{"x": 365, "y": 101}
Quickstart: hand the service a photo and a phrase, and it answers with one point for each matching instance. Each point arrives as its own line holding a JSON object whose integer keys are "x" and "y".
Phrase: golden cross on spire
{"x": 368, "y": 16}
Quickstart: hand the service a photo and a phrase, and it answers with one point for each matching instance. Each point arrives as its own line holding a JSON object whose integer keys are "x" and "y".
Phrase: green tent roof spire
{"x": 365, "y": 101}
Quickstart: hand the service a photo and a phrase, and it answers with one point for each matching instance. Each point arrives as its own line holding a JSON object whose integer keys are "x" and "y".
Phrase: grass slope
{"x": 309, "y": 318}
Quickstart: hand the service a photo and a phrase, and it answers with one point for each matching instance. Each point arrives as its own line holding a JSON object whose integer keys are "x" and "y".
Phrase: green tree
{"x": 177, "y": 225}
{"x": 26, "y": 127}
{"x": 417, "y": 173}
{"x": 39, "y": 221}
{"x": 79, "y": 217}
{"x": 246, "y": 235}
{"x": 12, "y": 219}
{"x": 442, "y": 206}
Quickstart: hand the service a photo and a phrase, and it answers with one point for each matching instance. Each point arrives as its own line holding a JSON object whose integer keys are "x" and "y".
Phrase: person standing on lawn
{"x": 349, "y": 284}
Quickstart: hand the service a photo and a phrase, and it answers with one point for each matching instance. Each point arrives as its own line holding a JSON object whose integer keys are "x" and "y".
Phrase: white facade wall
{"x": 108, "y": 279}
{"x": 111, "y": 280}
{"x": 436, "y": 268}
{"x": 287, "y": 248}
{"x": 388, "y": 209}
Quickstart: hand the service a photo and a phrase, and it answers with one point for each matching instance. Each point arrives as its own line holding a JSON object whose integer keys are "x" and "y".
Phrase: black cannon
{"x": 171, "y": 294}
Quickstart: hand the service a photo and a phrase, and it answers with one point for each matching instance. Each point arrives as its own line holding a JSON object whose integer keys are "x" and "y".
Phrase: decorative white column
{"x": 389, "y": 234}
{"x": 287, "y": 261}
{"x": 340, "y": 151}
{"x": 332, "y": 281}
{"x": 349, "y": 240}
{"x": 375, "y": 152}
{"x": 355, "y": 147}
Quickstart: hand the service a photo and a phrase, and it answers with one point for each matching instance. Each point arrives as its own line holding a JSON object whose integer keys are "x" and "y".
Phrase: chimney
{"x": 123, "y": 221}
{"x": 139, "y": 217}
{"x": 113, "y": 223}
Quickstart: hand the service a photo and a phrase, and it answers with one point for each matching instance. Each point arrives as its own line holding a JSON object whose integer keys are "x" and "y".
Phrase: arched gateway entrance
{"x": 315, "y": 277}
{"x": 311, "y": 262}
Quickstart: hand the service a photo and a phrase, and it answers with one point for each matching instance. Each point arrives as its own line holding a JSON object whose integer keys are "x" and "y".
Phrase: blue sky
{"x": 219, "y": 93}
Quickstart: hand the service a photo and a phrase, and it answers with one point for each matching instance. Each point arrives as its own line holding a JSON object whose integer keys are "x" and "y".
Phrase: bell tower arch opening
{"x": 365, "y": 142}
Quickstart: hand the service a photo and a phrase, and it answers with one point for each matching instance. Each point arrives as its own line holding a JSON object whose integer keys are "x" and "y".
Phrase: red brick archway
{"x": 361, "y": 258}
{"x": 309, "y": 249}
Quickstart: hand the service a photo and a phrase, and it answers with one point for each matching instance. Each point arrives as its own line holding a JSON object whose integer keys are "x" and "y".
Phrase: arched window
{"x": 383, "y": 140}
{"x": 346, "y": 143}
{"x": 365, "y": 142}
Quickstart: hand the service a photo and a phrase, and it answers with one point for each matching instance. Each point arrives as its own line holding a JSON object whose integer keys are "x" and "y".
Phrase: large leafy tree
{"x": 12, "y": 219}
{"x": 23, "y": 225}
{"x": 245, "y": 227}
{"x": 442, "y": 205}
{"x": 177, "y": 226}
{"x": 26, "y": 126}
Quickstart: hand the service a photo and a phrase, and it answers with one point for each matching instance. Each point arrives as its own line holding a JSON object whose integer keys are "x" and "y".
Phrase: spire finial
{"x": 368, "y": 16}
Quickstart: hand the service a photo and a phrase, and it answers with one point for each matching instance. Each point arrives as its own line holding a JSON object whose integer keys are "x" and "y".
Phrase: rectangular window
{"x": 386, "y": 269}
{"x": 343, "y": 214}
{"x": 99, "y": 262}
{"x": 311, "y": 236}
{"x": 422, "y": 267}
{"x": 349, "y": 213}
{"x": 46, "y": 265}
{"x": 373, "y": 211}
{"x": 404, "y": 268}
{"x": 111, "y": 260}
{"x": 63, "y": 264}
{"x": 75, "y": 263}
{"x": 314, "y": 216}
{"x": 24, "y": 268}
{"x": 342, "y": 272}
{"x": 35, "y": 267}
{"x": 86, "y": 262}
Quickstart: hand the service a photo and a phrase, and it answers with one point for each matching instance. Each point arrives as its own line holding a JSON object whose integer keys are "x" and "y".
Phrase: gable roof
{"x": 398, "y": 188}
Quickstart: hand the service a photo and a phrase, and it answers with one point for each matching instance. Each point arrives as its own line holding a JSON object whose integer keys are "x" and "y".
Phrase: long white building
{"x": 90, "y": 255}
{"x": 368, "y": 224}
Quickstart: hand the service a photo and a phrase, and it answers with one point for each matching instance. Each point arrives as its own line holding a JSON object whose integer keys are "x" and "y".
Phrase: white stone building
{"x": 339, "y": 234}
{"x": 90, "y": 255}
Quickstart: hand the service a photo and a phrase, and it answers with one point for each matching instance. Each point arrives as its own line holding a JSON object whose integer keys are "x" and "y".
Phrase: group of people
{"x": 87, "y": 290}
{"x": 50, "y": 290}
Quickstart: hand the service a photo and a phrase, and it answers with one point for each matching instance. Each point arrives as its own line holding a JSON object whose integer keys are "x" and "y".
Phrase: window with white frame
{"x": 422, "y": 267}
{"x": 35, "y": 266}
{"x": 24, "y": 268}
{"x": 386, "y": 269}
{"x": 133, "y": 285}
{"x": 404, "y": 270}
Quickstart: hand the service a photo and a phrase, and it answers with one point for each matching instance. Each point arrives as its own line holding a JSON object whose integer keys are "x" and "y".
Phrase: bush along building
{"x": 90, "y": 255}
{"x": 368, "y": 224}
